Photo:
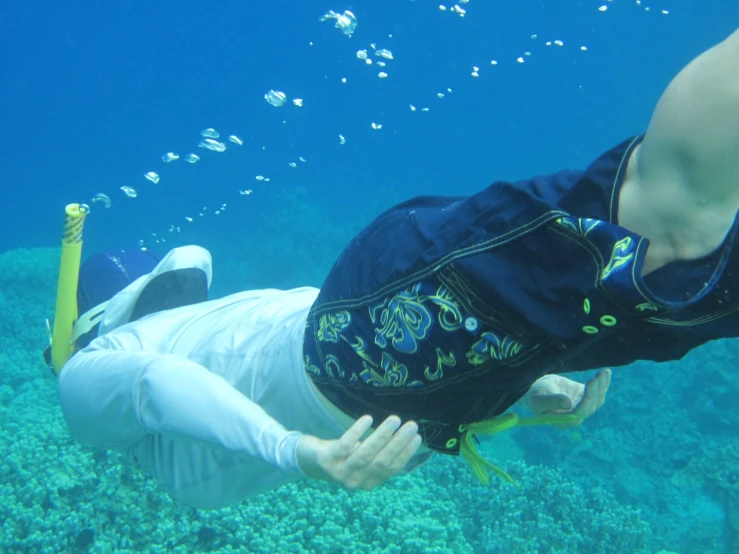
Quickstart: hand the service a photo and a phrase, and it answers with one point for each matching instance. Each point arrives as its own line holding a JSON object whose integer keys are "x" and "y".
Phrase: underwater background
{"x": 93, "y": 94}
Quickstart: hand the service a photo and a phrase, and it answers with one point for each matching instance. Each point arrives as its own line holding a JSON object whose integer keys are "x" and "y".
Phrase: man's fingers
{"x": 366, "y": 451}
{"x": 411, "y": 448}
{"x": 391, "y": 456}
{"x": 605, "y": 384}
{"x": 363, "y": 464}
{"x": 587, "y": 405}
{"x": 598, "y": 386}
{"x": 348, "y": 441}
{"x": 396, "y": 456}
{"x": 594, "y": 395}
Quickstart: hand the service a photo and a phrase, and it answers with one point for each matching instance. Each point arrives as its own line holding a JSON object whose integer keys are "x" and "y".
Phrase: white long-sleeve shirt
{"x": 210, "y": 398}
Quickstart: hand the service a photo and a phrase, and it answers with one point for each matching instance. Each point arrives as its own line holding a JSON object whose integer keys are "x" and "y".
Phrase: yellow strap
{"x": 480, "y": 466}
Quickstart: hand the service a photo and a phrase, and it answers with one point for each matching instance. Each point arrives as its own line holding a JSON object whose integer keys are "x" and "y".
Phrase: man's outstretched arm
{"x": 113, "y": 393}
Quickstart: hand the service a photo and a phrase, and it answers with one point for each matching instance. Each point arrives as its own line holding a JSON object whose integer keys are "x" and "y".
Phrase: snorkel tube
{"x": 65, "y": 314}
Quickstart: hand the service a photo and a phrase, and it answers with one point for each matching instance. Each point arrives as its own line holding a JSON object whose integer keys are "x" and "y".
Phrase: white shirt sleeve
{"x": 113, "y": 394}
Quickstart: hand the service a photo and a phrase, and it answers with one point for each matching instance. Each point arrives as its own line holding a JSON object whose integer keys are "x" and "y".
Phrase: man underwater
{"x": 435, "y": 320}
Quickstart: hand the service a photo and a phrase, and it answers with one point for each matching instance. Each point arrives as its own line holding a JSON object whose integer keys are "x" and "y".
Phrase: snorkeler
{"x": 434, "y": 321}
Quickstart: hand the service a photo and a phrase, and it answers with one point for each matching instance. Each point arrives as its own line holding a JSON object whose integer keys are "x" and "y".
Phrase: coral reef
{"x": 651, "y": 470}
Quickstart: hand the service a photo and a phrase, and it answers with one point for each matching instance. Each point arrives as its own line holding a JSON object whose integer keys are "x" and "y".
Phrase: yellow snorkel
{"x": 65, "y": 315}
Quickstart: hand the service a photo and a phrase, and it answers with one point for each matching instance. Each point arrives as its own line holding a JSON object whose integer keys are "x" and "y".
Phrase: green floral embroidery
{"x": 333, "y": 367}
{"x": 448, "y": 360}
{"x": 493, "y": 347}
{"x": 360, "y": 348}
{"x": 623, "y": 253}
{"x": 330, "y": 326}
{"x": 390, "y": 373}
{"x": 450, "y": 316}
{"x": 312, "y": 367}
{"x": 581, "y": 226}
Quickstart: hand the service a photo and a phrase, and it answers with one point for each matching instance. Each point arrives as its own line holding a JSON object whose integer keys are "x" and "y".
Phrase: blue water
{"x": 92, "y": 94}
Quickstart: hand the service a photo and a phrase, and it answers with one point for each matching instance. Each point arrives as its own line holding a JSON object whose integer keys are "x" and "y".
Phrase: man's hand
{"x": 359, "y": 464}
{"x": 554, "y": 394}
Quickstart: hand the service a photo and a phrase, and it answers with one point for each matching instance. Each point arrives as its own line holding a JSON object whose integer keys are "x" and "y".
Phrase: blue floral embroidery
{"x": 403, "y": 321}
